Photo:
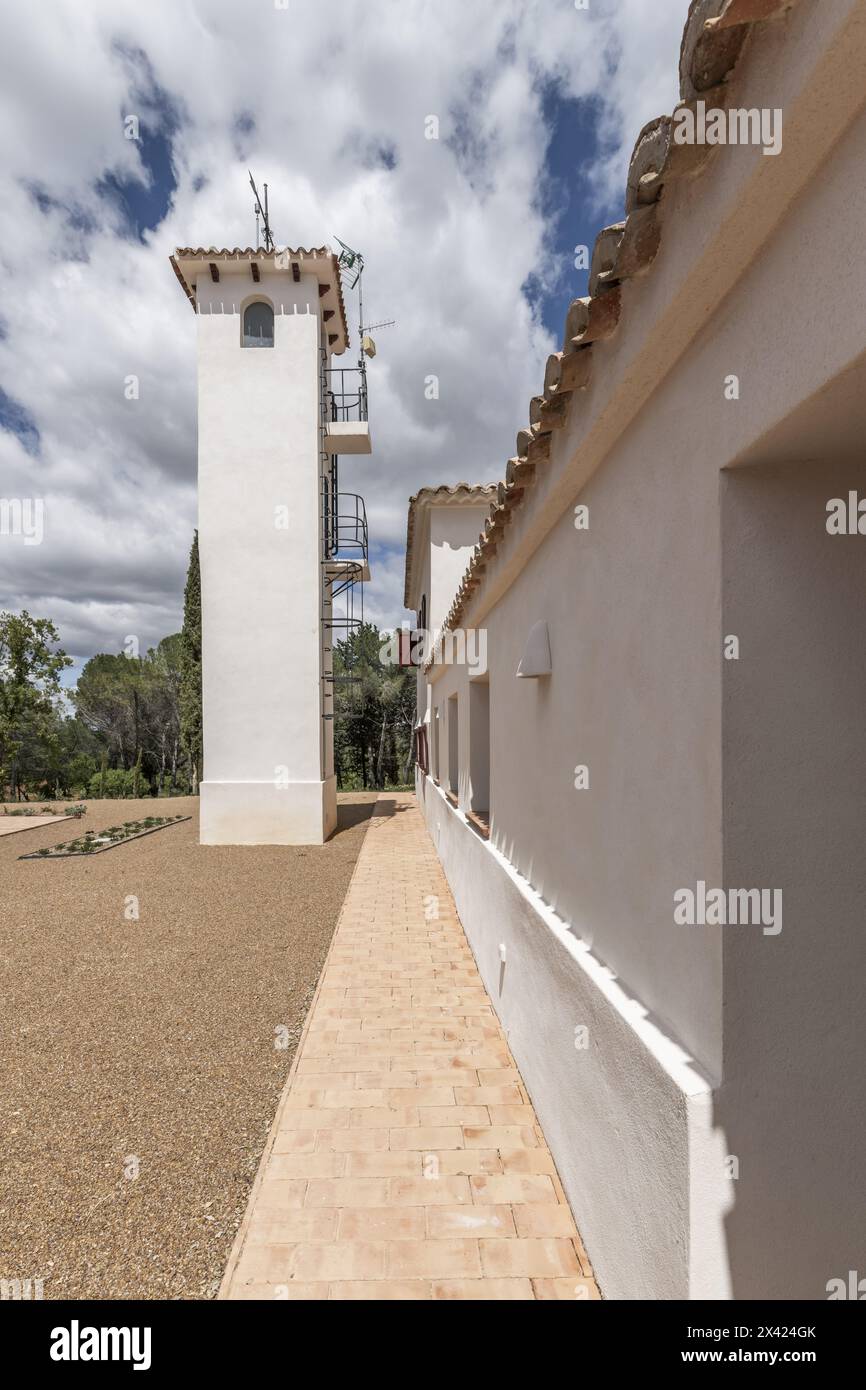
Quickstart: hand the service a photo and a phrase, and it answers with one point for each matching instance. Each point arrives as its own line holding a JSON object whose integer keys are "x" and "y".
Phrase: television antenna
{"x": 351, "y": 264}
{"x": 368, "y": 346}
{"x": 261, "y": 211}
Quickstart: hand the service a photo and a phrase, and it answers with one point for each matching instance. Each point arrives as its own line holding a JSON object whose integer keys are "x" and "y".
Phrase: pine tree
{"x": 190, "y": 669}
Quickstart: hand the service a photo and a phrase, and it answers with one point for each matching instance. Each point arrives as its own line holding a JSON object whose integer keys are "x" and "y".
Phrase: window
{"x": 479, "y": 748}
{"x": 435, "y": 737}
{"x": 421, "y": 751}
{"x": 258, "y": 325}
{"x": 453, "y": 746}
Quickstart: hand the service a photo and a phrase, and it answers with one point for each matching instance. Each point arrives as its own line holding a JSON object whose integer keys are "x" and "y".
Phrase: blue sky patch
{"x": 15, "y": 418}
{"x": 144, "y": 203}
{"x": 569, "y": 202}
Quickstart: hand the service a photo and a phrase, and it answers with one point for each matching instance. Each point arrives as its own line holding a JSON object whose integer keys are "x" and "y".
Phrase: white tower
{"x": 268, "y": 430}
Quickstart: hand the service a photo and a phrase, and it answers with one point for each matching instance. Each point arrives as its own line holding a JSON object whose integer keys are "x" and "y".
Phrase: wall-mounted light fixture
{"x": 536, "y": 654}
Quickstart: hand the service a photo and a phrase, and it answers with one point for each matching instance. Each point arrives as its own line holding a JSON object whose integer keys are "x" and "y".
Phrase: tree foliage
{"x": 190, "y": 672}
{"x": 374, "y": 714}
{"x": 133, "y": 725}
{"x": 126, "y": 717}
{"x": 30, "y": 696}
{"x": 132, "y": 705}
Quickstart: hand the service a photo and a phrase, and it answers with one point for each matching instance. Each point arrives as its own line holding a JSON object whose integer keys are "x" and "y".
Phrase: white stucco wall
{"x": 634, "y": 613}
{"x": 635, "y": 696}
{"x": 258, "y": 414}
{"x": 446, "y": 534}
{"x": 453, "y": 532}
{"x": 636, "y": 619}
{"x": 793, "y": 1103}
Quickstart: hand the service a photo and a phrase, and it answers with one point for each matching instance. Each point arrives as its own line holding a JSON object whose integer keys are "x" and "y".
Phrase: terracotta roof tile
{"x": 250, "y": 253}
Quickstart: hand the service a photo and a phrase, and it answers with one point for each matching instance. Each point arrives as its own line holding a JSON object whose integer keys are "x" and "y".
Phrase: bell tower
{"x": 269, "y": 430}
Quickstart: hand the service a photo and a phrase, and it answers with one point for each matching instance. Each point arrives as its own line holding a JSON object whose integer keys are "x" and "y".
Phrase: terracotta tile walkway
{"x": 405, "y": 1161}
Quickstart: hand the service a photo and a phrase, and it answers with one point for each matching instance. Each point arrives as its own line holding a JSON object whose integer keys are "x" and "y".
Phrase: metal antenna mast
{"x": 261, "y": 210}
{"x": 352, "y": 265}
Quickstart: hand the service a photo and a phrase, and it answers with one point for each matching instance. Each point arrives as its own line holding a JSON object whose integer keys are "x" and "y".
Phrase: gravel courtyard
{"x": 140, "y": 1068}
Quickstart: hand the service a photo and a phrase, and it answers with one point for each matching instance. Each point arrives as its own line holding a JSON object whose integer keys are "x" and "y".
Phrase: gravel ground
{"x": 148, "y": 1045}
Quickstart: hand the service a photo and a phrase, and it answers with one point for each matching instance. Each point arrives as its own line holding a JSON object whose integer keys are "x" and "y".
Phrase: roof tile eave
{"x": 226, "y": 253}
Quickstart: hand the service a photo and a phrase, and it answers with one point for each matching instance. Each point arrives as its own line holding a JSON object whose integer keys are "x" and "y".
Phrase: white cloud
{"x": 316, "y": 99}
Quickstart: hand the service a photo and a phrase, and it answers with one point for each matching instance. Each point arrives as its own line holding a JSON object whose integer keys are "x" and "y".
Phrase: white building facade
{"x": 269, "y": 323}
{"x": 670, "y": 703}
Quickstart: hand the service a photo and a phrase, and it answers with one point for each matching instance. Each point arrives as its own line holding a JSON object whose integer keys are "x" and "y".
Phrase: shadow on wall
{"x": 793, "y": 1102}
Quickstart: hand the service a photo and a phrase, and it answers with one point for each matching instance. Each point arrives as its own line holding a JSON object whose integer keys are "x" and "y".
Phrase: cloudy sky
{"x": 468, "y": 241}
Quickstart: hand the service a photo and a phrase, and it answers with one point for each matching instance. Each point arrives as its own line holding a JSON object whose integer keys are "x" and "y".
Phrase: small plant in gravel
{"x": 77, "y": 811}
{"x": 93, "y": 841}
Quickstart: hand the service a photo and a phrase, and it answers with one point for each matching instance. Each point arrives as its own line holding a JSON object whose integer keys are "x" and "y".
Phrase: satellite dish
{"x": 368, "y": 347}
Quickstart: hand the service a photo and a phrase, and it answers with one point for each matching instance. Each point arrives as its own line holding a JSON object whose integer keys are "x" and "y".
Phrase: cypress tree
{"x": 190, "y": 671}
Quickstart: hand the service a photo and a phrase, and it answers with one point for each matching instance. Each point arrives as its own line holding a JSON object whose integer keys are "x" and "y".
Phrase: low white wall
{"x": 628, "y": 1119}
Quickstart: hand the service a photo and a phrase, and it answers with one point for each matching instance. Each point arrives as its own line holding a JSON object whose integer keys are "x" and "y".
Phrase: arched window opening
{"x": 258, "y": 325}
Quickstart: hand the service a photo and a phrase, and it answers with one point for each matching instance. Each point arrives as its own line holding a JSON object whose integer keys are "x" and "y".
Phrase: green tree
{"x": 30, "y": 693}
{"x": 136, "y": 776}
{"x": 109, "y": 699}
{"x": 112, "y": 782}
{"x": 163, "y": 708}
{"x": 68, "y": 761}
{"x": 132, "y": 705}
{"x": 190, "y": 672}
{"x": 374, "y": 713}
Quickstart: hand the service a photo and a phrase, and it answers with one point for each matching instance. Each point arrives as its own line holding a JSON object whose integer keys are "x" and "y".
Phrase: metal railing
{"x": 346, "y": 393}
{"x": 345, "y": 526}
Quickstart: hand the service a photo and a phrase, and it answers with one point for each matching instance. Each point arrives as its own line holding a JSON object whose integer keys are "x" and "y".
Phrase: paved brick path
{"x": 405, "y": 1161}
